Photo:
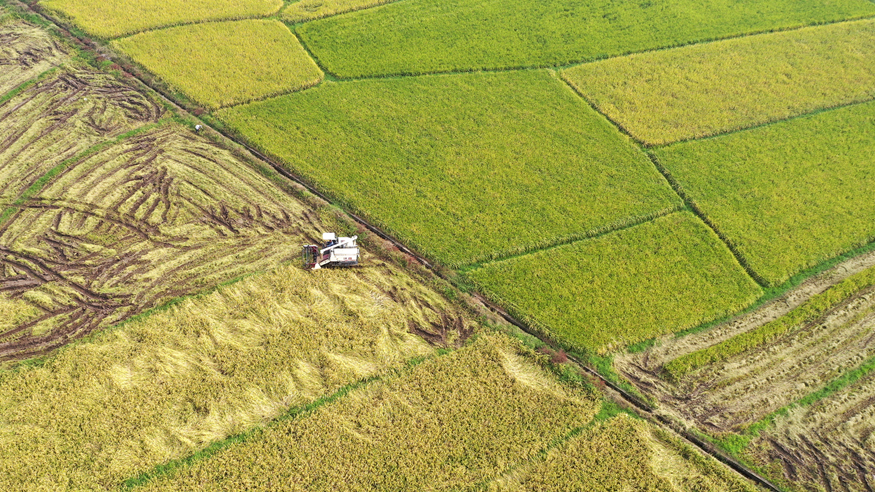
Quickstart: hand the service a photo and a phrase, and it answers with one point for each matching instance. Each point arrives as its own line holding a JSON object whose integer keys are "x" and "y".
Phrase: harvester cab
{"x": 337, "y": 251}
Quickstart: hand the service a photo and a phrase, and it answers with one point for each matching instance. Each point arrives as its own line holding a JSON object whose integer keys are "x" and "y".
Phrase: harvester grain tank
{"x": 337, "y": 251}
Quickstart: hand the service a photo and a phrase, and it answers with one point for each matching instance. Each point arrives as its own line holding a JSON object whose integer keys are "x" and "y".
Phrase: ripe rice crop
{"x": 788, "y": 195}
{"x": 462, "y": 167}
{"x": 623, "y": 287}
{"x": 114, "y": 18}
{"x": 25, "y": 52}
{"x": 304, "y": 10}
{"x": 225, "y": 63}
{"x": 810, "y": 311}
{"x": 665, "y": 96}
{"x": 448, "y": 423}
{"x": 623, "y": 454}
{"x": 427, "y": 36}
{"x": 164, "y": 386}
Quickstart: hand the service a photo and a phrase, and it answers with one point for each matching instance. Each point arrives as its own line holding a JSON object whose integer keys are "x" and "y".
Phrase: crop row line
{"x": 291, "y": 414}
{"x": 613, "y": 227}
{"x": 43, "y": 180}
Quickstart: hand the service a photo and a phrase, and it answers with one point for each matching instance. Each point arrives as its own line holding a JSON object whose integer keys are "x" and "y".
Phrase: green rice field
{"x": 464, "y": 167}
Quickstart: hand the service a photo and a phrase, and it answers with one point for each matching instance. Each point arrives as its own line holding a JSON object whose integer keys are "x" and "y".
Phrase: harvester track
{"x": 616, "y": 393}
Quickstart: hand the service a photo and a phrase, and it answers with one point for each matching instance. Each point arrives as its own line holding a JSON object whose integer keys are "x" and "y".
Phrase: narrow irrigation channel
{"x": 614, "y": 391}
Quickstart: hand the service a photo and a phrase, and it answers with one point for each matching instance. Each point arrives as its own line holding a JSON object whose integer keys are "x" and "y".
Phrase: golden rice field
{"x": 304, "y": 10}
{"x": 26, "y": 51}
{"x": 224, "y": 63}
{"x": 449, "y": 423}
{"x": 600, "y": 294}
{"x": 789, "y": 195}
{"x": 622, "y": 454}
{"x": 161, "y": 387}
{"x": 704, "y": 89}
{"x": 114, "y": 18}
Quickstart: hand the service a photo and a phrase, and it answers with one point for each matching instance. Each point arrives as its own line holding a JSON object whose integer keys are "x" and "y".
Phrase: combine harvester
{"x": 337, "y": 252}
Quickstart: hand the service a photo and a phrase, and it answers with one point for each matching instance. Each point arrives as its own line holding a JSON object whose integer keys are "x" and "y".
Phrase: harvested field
{"x": 161, "y": 387}
{"x": 462, "y": 167}
{"x": 623, "y": 287}
{"x": 159, "y": 215}
{"x": 825, "y": 446}
{"x": 225, "y": 63}
{"x": 449, "y": 423}
{"x": 623, "y": 454}
{"x": 789, "y": 195}
{"x": 304, "y": 10}
{"x": 665, "y": 96}
{"x": 428, "y": 36}
{"x": 114, "y": 18}
{"x": 788, "y": 405}
{"x": 26, "y": 51}
{"x": 61, "y": 117}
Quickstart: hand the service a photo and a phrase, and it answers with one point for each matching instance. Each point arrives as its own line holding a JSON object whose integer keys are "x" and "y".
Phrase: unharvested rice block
{"x": 304, "y": 10}
{"x": 225, "y": 63}
{"x": 624, "y": 287}
{"x": 427, "y": 36}
{"x": 450, "y": 423}
{"x": 114, "y": 18}
{"x": 462, "y": 167}
{"x": 666, "y": 96}
{"x": 788, "y": 195}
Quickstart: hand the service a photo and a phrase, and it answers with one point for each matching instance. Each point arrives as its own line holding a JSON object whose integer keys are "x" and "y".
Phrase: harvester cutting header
{"x": 337, "y": 252}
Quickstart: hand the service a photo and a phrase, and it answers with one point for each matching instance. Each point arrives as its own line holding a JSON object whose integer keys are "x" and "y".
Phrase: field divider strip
{"x": 701, "y": 214}
{"x": 621, "y": 396}
{"x": 293, "y": 413}
{"x": 832, "y": 387}
{"x": 597, "y": 58}
{"x": 732, "y": 131}
{"x": 46, "y": 178}
{"x": 571, "y": 239}
{"x": 24, "y": 85}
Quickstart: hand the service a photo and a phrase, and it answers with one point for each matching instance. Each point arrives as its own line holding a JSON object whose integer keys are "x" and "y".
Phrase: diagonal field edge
{"x": 294, "y": 26}
{"x": 293, "y": 413}
{"x": 624, "y": 396}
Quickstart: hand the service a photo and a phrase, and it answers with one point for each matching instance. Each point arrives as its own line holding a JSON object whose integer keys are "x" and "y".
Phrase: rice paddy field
{"x": 305, "y": 10}
{"x": 790, "y": 195}
{"x": 428, "y": 36}
{"x": 795, "y": 402}
{"x": 610, "y": 291}
{"x": 514, "y": 161}
{"x": 676, "y": 193}
{"x": 115, "y": 18}
{"x": 26, "y": 51}
{"x": 704, "y": 89}
{"x": 215, "y": 63}
{"x": 164, "y": 386}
